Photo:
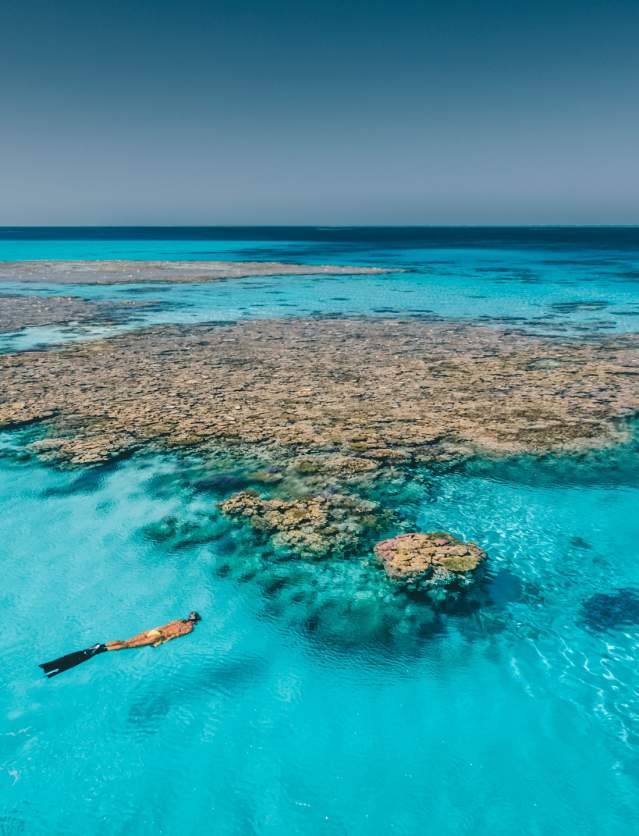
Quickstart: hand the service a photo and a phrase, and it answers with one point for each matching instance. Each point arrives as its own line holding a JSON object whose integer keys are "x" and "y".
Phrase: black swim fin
{"x": 63, "y": 663}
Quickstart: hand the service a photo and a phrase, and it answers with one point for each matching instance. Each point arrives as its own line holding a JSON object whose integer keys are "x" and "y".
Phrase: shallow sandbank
{"x": 128, "y": 272}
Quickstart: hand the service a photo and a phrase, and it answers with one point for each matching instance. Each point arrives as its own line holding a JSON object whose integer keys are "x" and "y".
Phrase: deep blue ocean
{"x": 318, "y": 713}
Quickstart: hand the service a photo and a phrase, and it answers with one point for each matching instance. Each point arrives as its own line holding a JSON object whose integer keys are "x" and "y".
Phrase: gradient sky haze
{"x": 295, "y": 112}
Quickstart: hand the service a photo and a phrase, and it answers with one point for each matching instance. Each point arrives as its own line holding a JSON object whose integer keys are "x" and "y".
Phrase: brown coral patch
{"x": 313, "y": 526}
{"x": 436, "y": 557}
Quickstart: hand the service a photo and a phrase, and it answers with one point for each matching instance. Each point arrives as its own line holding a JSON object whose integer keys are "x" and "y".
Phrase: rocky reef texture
{"x": 17, "y": 312}
{"x": 331, "y": 393}
{"x": 313, "y": 526}
{"x": 125, "y": 272}
{"x": 435, "y": 558}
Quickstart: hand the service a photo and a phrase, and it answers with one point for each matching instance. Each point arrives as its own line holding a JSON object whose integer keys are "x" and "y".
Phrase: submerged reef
{"x": 124, "y": 272}
{"x": 336, "y": 395}
{"x": 313, "y": 526}
{"x": 310, "y": 561}
{"x": 436, "y": 558}
{"x": 17, "y": 311}
{"x": 616, "y": 610}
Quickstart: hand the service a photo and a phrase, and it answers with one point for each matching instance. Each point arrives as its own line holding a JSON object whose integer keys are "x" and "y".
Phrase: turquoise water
{"x": 316, "y": 698}
{"x": 534, "y": 283}
{"x": 516, "y": 717}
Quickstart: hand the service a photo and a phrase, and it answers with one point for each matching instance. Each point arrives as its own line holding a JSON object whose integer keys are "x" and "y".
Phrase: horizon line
{"x": 326, "y": 226}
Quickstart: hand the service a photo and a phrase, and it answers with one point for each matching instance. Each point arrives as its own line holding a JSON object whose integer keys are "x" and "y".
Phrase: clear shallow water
{"x": 552, "y": 281}
{"x": 316, "y": 699}
{"x": 519, "y": 717}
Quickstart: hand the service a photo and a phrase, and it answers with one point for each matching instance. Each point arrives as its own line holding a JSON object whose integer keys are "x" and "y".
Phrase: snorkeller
{"x": 154, "y": 637}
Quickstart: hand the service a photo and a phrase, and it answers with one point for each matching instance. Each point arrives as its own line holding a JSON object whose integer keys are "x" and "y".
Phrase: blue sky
{"x": 319, "y": 112}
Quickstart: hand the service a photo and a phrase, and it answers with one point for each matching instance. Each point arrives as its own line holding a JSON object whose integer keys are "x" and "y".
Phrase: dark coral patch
{"x": 614, "y": 610}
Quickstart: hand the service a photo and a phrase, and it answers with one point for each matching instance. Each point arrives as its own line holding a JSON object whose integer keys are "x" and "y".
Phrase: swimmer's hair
{"x": 194, "y": 616}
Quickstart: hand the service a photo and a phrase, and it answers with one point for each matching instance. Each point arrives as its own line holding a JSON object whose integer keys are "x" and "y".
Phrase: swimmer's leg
{"x": 63, "y": 663}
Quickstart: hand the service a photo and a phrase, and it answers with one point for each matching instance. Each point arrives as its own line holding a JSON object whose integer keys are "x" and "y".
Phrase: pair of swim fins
{"x": 63, "y": 663}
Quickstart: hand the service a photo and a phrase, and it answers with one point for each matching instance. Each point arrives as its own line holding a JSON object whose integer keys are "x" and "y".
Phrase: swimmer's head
{"x": 194, "y": 616}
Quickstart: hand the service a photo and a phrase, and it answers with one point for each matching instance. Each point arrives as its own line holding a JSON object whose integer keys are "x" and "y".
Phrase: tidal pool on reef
{"x": 303, "y": 702}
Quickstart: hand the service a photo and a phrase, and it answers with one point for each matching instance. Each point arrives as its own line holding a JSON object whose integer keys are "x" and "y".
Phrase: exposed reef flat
{"x": 127, "y": 272}
{"x": 339, "y": 395}
{"x": 17, "y": 312}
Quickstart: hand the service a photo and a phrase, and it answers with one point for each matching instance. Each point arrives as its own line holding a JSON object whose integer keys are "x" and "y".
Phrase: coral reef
{"x": 313, "y": 526}
{"x": 336, "y": 396}
{"x": 435, "y": 558}
{"x": 17, "y": 311}
{"x": 342, "y": 597}
{"x": 124, "y": 272}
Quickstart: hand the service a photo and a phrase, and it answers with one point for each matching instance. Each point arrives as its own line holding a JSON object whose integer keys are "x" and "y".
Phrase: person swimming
{"x": 154, "y": 638}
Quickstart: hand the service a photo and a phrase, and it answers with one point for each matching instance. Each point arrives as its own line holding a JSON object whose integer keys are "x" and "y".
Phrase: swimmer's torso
{"x": 155, "y": 636}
